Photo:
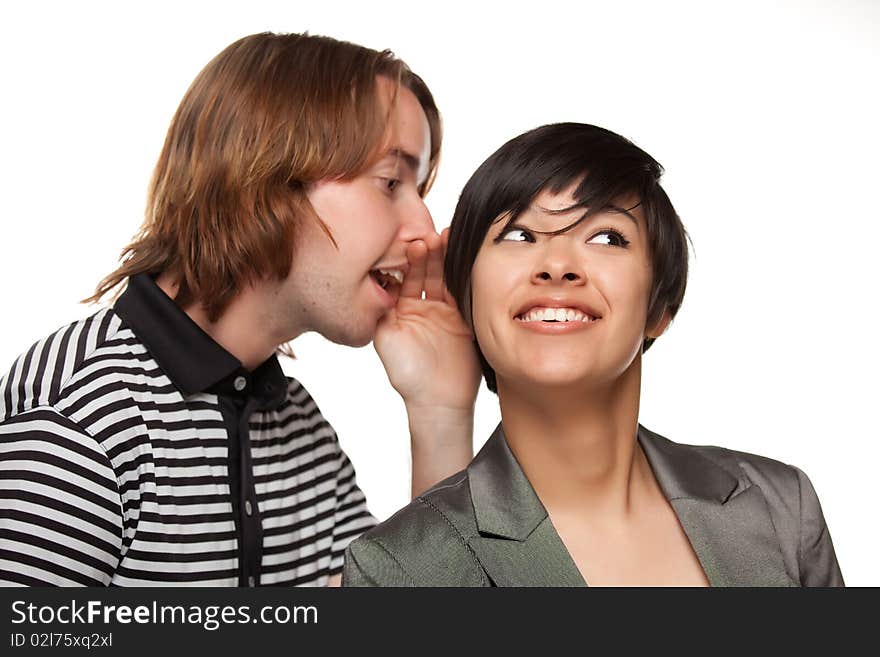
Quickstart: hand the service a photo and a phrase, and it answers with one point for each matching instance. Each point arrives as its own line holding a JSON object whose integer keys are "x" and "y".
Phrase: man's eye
{"x": 516, "y": 235}
{"x": 608, "y": 238}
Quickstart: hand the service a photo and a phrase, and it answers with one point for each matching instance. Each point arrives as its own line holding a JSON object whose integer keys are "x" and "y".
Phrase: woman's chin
{"x": 560, "y": 375}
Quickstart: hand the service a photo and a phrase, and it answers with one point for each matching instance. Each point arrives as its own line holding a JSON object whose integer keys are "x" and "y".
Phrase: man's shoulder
{"x": 298, "y": 397}
{"x": 300, "y": 413}
{"x": 41, "y": 375}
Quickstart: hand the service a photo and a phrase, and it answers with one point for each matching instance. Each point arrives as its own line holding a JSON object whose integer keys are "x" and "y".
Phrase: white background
{"x": 764, "y": 115}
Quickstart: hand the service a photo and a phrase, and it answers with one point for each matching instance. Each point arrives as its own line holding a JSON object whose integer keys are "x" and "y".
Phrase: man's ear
{"x": 659, "y": 327}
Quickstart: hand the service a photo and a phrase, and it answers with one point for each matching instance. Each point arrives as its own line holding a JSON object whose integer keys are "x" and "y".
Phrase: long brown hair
{"x": 269, "y": 115}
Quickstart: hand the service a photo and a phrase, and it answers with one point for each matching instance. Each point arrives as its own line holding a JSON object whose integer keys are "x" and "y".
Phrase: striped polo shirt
{"x": 136, "y": 451}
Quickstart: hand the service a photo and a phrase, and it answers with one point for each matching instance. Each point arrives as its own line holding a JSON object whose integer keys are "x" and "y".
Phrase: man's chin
{"x": 363, "y": 342}
{"x": 353, "y": 337}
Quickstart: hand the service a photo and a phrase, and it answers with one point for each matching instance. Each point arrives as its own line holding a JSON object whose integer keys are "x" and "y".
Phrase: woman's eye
{"x": 391, "y": 183}
{"x": 608, "y": 238}
{"x": 517, "y": 235}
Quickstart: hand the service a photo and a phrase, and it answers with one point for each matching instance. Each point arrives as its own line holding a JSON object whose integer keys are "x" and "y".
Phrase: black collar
{"x": 190, "y": 357}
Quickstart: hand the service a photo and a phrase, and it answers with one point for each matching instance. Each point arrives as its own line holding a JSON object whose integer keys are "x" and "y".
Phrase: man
{"x": 158, "y": 441}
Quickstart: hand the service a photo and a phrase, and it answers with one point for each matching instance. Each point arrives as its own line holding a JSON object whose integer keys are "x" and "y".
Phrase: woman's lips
{"x": 556, "y": 306}
{"x": 556, "y": 318}
{"x": 556, "y": 327}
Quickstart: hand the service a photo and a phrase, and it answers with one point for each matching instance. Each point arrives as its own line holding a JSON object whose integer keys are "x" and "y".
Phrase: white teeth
{"x": 555, "y": 314}
{"x": 396, "y": 274}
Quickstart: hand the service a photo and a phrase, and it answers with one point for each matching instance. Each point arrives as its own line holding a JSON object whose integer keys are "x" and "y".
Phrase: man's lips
{"x": 388, "y": 279}
{"x": 389, "y": 275}
{"x": 388, "y": 294}
{"x": 399, "y": 266}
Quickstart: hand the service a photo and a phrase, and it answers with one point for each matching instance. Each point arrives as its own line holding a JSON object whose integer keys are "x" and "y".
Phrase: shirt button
{"x": 251, "y": 581}
{"x": 239, "y": 383}
{"x": 248, "y": 507}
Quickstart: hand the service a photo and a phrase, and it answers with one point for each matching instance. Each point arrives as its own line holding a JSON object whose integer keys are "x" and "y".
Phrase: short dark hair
{"x": 605, "y": 166}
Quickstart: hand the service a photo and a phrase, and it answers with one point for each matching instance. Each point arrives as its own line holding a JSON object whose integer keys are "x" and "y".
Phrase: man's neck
{"x": 578, "y": 447}
{"x": 247, "y": 327}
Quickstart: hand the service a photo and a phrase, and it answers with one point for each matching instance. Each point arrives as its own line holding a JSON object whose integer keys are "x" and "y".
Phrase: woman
{"x": 568, "y": 261}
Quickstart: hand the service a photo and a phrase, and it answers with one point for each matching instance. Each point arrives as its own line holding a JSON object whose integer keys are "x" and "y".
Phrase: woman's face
{"x": 557, "y": 310}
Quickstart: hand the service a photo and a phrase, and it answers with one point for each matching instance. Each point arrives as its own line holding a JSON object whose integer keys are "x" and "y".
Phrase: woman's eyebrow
{"x": 586, "y": 216}
{"x": 627, "y": 212}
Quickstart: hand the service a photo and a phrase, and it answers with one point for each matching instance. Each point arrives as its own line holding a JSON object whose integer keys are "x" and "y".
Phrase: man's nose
{"x": 416, "y": 223}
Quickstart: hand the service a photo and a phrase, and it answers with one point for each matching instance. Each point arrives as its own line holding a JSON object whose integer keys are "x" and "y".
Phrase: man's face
{"x": 340, "y": 293}
{"x": 565, "y": 309}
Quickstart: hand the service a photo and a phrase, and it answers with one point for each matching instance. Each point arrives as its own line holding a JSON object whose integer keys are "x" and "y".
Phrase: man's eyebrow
{"x": 411, "y": 161}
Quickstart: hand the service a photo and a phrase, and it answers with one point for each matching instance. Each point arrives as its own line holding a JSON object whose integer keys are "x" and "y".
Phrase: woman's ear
{"x": 659, "y": 327}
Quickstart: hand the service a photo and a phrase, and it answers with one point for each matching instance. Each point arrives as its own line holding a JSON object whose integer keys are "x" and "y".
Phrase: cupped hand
{"x": 424, "y": 344}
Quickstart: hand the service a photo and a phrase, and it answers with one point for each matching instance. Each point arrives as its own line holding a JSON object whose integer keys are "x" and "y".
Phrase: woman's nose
{"x": 559, "y": 265}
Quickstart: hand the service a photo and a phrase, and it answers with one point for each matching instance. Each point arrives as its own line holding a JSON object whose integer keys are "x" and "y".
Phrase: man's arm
{"x": 442, "y": 443}
{"x": 351, "y": 517}
{"x": 60, "y": 508}
{"x": 428, "y": 352}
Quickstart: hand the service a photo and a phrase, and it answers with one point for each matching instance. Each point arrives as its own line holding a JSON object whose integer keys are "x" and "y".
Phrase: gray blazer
{"x": 752, "y": 521}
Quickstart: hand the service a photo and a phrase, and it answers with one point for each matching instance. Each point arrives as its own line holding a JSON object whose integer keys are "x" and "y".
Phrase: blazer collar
{"x": 724, "y": 517}
{"x": 682, "y": 472}
{"x": 506, "y": 505}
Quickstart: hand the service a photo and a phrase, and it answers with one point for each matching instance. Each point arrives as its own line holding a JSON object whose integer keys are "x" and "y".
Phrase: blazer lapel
{"x": 516, "y": 544}
{"x": 539, "y": 560}
{"x": 725, "y": 519}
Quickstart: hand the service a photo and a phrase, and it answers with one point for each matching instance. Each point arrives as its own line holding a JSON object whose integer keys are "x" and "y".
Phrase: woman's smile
{"x": 555, "y": 316}
{"x": 555, "y": 320}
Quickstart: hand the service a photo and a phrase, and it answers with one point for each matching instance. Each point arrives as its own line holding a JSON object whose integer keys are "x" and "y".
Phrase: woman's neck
{"x": 578, "y": 446}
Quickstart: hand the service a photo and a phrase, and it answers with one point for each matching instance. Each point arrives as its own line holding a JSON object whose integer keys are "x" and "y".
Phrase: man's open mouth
{"x": 387, "y": 278}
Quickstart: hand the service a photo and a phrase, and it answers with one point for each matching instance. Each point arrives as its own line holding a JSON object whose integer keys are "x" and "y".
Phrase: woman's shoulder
{"x": 788, "y": 494}
{"x": 423, "y": 544}
{"x": 445, "y": 508}
{"x": 747, "y": 468}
